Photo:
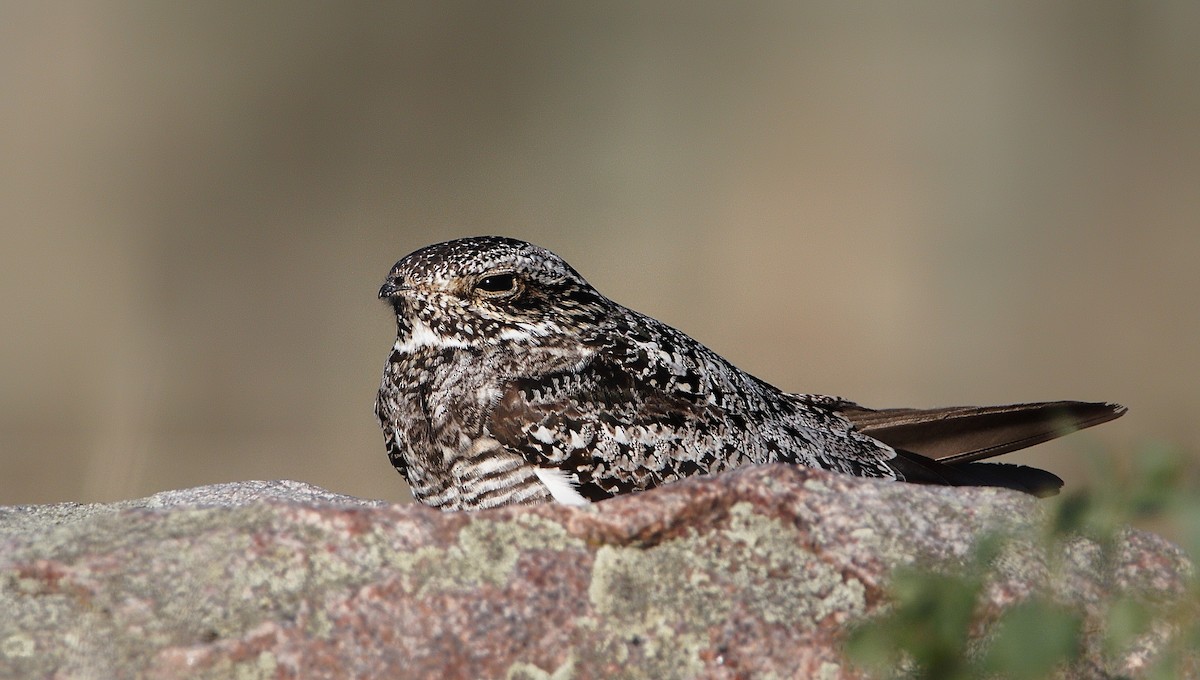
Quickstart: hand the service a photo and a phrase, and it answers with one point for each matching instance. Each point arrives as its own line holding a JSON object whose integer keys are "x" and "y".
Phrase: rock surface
{"x": 749, "y": 574}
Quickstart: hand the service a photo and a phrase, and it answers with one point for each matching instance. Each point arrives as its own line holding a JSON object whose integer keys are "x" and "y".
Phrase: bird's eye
{"x": 497, "y": 283}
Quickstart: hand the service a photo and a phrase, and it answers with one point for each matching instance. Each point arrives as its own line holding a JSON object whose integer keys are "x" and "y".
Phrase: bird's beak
{"x": 389, "y": 289}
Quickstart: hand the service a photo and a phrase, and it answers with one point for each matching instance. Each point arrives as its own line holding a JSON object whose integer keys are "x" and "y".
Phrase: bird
{"x": 513, "y": 381}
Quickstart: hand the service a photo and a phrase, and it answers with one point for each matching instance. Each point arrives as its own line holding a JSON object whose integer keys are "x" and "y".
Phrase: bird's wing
{"x": 961, "y": 434}
{"x": 607, "y": 431}
{"x": 941, "y": 445}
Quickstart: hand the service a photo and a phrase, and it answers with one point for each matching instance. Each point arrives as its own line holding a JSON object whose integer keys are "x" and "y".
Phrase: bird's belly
{"x": 437, "y": 406}
{"x": 481, "y": 475}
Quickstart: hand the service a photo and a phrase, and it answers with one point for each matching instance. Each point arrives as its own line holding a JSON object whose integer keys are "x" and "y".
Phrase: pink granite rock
{"x": 743, "y": 575}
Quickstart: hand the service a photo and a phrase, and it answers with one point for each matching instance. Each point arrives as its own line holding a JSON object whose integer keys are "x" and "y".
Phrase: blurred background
{"x": 929, "y": 204}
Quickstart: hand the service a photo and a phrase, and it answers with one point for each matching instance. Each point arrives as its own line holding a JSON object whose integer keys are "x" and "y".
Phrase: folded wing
{"x": 941, "y": 445}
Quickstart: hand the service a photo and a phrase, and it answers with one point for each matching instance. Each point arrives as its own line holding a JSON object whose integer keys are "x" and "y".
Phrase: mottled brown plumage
{"x": 513, "y": 381}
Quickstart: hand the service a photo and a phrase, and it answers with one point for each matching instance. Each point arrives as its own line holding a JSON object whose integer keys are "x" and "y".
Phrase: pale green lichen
{"x": 260, "y": 667}
{"x": 771, "y": 572}
{"x": 950, "y": 524}
{"x": 521, "y": 670}
{"x": 828, "y": 671}
{"x": 525, "y": 671}
{"x": 659, "y": 603}
{"x": 657, "y": 652}
{"x": 18, "y": 646}
{"x": 783, "y": 581}
{"x": 486, "y": 553}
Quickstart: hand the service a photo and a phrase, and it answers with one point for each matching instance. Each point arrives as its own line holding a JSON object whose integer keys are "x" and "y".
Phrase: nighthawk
{"x": 513, "y": 381}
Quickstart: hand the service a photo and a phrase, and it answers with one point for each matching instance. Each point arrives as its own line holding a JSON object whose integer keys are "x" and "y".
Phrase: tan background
{"x": 920, "y": 205}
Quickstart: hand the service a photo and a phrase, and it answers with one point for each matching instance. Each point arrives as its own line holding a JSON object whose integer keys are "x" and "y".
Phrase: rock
{"x": 748, "y": 574}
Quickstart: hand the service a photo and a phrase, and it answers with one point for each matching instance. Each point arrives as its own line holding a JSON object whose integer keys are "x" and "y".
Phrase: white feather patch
{"x": 561, "y": 486}
{"x": 421, "y": 335}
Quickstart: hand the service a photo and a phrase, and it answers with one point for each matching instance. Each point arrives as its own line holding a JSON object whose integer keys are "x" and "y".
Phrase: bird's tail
{"x": 941, "y": 445}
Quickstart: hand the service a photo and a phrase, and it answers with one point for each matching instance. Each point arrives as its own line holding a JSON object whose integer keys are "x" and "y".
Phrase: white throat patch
{"x": 421, "y": 335}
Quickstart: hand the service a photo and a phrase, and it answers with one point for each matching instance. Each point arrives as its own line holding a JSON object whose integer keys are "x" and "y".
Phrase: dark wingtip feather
{"x": 918, "y": 469}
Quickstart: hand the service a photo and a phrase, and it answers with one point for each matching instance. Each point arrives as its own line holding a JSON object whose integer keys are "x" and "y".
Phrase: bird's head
{"x": 488, "y": 290}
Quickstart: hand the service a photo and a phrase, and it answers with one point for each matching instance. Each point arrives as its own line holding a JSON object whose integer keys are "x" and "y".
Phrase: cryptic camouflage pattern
{"x": 507, "y": 362}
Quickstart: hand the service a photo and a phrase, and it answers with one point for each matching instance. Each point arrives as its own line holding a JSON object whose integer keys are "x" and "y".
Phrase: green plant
{"x": 927, "y": 631}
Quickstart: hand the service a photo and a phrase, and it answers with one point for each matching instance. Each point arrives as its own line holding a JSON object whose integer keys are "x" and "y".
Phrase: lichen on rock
{"x": 758, "y": 573}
